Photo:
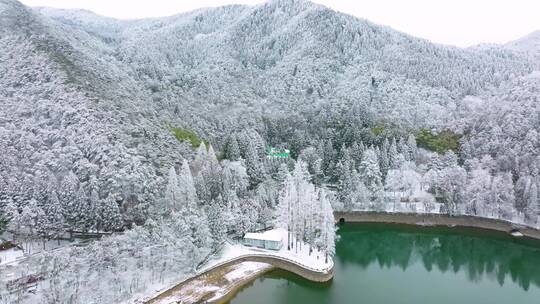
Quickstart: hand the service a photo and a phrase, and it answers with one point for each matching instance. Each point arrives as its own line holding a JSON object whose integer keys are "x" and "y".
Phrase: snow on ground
{"x": 153, "y": 289}
{"x": 11, "y": 256}
{"x": 218, "y": 281}
{"x": 299, "y": 255}
{"x": 243, "y": 269}
{"x": 211, "y": 285}
{"x": 191, "y": 293}
{"x": 35, "y": 246}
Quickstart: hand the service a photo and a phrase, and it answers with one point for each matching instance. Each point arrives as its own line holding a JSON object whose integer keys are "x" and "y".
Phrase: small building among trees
{"x": 271, "y": 239}
{"x": 277, "y": 153}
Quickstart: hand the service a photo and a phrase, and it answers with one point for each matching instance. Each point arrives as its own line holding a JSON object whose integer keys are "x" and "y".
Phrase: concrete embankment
{"x": 291, "y": 266}
{"x": 228, "y": 291}
{"x": 435, "y": 220}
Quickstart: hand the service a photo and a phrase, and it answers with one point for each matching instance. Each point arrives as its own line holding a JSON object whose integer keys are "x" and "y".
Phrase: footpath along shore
{"x": 239, "y": 265}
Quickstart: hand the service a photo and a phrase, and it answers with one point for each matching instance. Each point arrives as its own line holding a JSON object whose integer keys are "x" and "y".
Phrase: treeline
{"x": 204, "y": 203}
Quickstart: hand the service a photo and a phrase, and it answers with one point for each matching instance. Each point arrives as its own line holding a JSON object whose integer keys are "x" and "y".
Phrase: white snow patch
{"x": 299, "y": 255}
{"x": 270, "y": 235}
{"x": 11, "y": 256}
{"x": 244, "y": 269}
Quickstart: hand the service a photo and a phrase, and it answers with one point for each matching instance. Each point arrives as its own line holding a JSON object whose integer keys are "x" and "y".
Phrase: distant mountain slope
{"x": 67, "y": 112}
{"x": 529, "y": 44}
{"x": 294, "y": 54}
{"x": 93, "y": 97}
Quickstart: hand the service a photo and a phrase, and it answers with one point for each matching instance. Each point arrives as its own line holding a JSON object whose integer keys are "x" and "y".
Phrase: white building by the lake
{"x": 271, "y": 239}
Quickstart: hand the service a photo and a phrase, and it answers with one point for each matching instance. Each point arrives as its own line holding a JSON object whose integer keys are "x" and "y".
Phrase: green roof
{"x": 277, "y": 152}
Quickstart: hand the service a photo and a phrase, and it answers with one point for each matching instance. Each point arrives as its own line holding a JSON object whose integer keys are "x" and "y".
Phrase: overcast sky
{"x": 456, "y": 22}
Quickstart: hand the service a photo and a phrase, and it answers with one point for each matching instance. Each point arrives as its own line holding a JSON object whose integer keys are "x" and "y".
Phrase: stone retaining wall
{"x": 308, "y": 274}
{"x": 275, "y": 261}
{"x": 434, "y": 220}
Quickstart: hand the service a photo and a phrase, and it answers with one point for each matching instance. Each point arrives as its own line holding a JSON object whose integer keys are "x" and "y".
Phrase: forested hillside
{"x": 108, "y": 90}
{"x": 161, "y": 125}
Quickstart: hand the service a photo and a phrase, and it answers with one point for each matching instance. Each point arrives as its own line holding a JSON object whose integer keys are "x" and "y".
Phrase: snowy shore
{"x": 212, "y": 285}
{"x": 237, "y": 265}
{"x": 299, "y": 255}
{"x": 244, "y": 272}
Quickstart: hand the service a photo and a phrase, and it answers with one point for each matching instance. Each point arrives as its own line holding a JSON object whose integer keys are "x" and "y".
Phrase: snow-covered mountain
{"x": 99, "y": 119}
{"x": 529, "y": 44}
{"x": 96, "y": 97}
{"x": 267, "y": 55}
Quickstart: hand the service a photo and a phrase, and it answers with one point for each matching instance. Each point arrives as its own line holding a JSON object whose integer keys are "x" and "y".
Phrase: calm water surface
{"x": 382, "y": 263}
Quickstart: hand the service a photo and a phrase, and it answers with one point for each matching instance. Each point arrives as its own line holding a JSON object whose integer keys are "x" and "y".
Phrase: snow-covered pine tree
{"x": 187, "y": 195}
{"x": 286, "y": 201}
{"x": 393, "y": 155}
{"x": 384, "y": 163}
{"x": 329, "y": 160}
{"x": 201, "y": 157}
{"x": 328, "y": 228}
{"x": 172, "y": 194}
{"x": 533, "y": 204}
{"x": 217, "y": 222}
{"x": 356, "y": 152}
{"x": 54, "y": 217}
{"x": 523, "y": 191}
{"x": 235, "y": 179}
{"x": 254, "y": 166}
{"x": 411, "y": 149}
{"x": 502, "y": 195}
{"x": 369, "y": 171}
{"x": 110, "y": 218}
{"x": 232, "y": 149}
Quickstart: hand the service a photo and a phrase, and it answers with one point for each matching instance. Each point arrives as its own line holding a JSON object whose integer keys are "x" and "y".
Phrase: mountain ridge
{"x": 122, "y": 85}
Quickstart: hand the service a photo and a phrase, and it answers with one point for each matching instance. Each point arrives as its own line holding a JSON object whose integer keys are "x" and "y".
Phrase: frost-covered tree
{"x": 311, "y": 157}
{"x": 369, "y": 171}
{"x": 410, "y": 150}
{"x": 187, "y": 195}
{"x": 53, "y": 221}
{"x": 246, "y": 215}
{"x": 328, "y": 227}
{"x": 217, "y": 221}
{"x": 502, "y": 195}
{"x": 525, "y": 190}
{"x": 235, "y": 178}
{"x": 232, "y": 150}
{"x": 299, "y": 211}
{"x": 478, "y": 193}
{"x": 532, "y": 198}
{"x": 254, "y": 165}
{"x": 393, "y": 162}
{"x": 172, "y": 193}
{"x": 384, "y": 162}
{"x": 109, "y": 217}
{"x": 451, "y": 188}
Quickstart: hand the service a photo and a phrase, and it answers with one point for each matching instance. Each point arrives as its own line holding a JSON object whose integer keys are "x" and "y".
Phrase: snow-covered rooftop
{"x": 302, "y": 256}
{"x": 270, "y": 235}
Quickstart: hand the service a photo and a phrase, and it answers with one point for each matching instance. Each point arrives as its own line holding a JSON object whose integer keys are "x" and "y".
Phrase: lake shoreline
{"x": 218, "y": 278}
{"x": 234, "y": 288}
{"x": 418, "y": 220}
{"x": 410, "y": 219}
{"x": 428, "y": 220}
{"x": 227, "y": 290}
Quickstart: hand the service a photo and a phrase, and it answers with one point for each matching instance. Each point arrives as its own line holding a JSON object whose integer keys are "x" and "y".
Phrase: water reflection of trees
{"x": 476, "y": 256}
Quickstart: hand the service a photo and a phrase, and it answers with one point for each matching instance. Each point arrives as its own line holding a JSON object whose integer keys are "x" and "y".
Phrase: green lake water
{"x": 382, "y": 263}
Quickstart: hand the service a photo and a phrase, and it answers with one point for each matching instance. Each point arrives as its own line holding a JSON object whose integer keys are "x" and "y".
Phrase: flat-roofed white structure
{"x": 271, "y": 239}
